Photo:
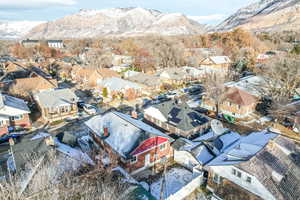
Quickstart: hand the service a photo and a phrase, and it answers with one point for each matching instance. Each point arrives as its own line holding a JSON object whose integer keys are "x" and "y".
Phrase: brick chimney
{"x": 50, "y": 141}
{"x": 105, "y": 132}
{"x": 134, "y": 114}
{"x": 11, "y": 141}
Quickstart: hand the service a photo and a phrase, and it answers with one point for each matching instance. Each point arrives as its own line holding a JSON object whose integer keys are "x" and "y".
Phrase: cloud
{"x": 208, "y": 18}
{"x": 34, "y": 4}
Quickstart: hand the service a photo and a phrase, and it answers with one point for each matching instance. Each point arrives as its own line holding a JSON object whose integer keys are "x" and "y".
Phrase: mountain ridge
{"x": 116, "y": 22}
{"x": 265, "y": 15}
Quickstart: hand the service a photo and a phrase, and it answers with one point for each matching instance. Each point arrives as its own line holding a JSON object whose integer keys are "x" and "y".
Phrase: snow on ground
{"x": 73, "y": 153}
{"x": 176, "y": 178}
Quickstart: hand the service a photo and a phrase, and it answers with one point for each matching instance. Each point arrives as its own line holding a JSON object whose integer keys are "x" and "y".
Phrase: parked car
{"x": 90, "y": 109}
{"x": 80, "y": 104}
{"x": 98, "y": 99}
{"x": 171, "y": 94}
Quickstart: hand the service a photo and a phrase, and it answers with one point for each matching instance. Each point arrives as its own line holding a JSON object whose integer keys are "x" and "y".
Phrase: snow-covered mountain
{"x": 265, "y": 15}
{"x": 116, "y": 22}
{"x": 16, "y": 29}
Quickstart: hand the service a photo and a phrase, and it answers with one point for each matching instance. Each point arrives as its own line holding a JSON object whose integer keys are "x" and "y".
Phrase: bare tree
{"x": 215, "y": 87}
{"x": 282, "y": 78}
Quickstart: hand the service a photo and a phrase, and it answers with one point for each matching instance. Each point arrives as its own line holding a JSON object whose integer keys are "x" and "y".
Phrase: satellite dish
{"x": 217, "y": 127}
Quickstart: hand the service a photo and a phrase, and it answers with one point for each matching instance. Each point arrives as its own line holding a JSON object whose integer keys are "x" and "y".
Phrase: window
{"x": 17, "y": 117}
{"x": 233, "y": 172}
{"x": 162, "y": 147}
{"x": 133, "y": 159}
{"x": 248, "y": 179}
{"x": 239, "y": 174}
{"x": 217, "y": 178}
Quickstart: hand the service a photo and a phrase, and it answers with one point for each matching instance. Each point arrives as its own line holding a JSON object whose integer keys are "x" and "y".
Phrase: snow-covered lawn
{"x": 176, "y": 178}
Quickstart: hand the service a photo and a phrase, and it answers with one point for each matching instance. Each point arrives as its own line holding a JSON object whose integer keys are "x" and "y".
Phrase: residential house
{"x": 177, "y": 118}
{"x": 14, "y": 113}
{"x": 37, "y": 71}
{"x": 117, "y": 87}
{"x": 216, "y": 63}
{"x": 271, "y": 173}
{"x": 151, "y": 82}
{"x": 255, "y": 85}
{"x": 173, "y": 75}
{"x": 120, "y": 68}
{"x": 57, "y": 104}
{"x": 30, "y": 43}
{"x": 59, "y": 44}
{"x": 237, "y": 103}
{"x": 118, "y": 60}
{"x": 134, "y": 144}
{"x": 13, "y": 70}
{"x": 25, "y": 87}
{"x": 90, "y": 77}
{"x": 193, "y": 73}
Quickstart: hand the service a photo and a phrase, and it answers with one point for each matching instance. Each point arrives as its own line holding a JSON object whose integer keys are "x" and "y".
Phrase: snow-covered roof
{"x": 175, "y": 179}
{"x": 56, "y": 98}
{"x": 251, "y": 84}
{"x": 118, "y": 84}
{"x": 220, "y": 59}
{"x": 227, "y": 149}
{"x": 12, "y": 106}
{"x": 243, "y": 149}
{"x": 125, "y": 133}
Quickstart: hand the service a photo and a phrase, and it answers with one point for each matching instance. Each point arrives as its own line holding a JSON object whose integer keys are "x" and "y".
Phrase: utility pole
{"x": 163, "y": 180}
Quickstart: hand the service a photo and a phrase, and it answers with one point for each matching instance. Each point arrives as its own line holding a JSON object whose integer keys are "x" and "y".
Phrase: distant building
{"x": 135, "y": 145}
{"x": 177, "y": 118}
{"x": 57, "y": 104}
{"x": 30, "y": 43}
{"x": 14, "y": 112}
{"x": 216, "y": 63}
{"x": 59, "y": 44}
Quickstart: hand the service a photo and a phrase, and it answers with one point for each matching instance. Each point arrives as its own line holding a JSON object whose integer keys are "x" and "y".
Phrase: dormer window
{"x": 248, "y": 179}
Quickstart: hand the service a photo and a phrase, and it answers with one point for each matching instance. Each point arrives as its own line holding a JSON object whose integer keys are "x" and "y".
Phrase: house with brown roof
{"x": 25, "y": 87}
{"x": 236, "y": 103}
{"x": 91, "y": 76}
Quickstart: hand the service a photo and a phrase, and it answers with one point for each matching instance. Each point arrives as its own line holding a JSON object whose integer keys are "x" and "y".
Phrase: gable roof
{"x": 32, "y": 84}
{"x": 12, "y": 106}
{"x": 220, "y": 59}
{"x": 146, "y": 79}
{"x": 55, "y": 98}
{"x": 125, "y": 133}
{"x": 239, "y": 97}
{"x": 180, "y": 115}
{"x": 118, "y": 84}
{"x": 173, "y": 73}
{"x": 277, "y": 167}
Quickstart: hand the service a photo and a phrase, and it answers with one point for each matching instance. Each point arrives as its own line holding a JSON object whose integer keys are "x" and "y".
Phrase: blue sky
{"x": 207, "y": 11}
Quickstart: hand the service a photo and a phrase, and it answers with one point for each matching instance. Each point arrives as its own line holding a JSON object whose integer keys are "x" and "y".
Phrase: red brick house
{"x": 135, "y": 145}
{"x": 237, "y": 103}
{"x": 13, "y": 113}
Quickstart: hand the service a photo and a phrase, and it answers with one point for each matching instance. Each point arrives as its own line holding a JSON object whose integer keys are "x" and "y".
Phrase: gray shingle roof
{"x": 55, "y": 98}
{"x": 283, "y": 157}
